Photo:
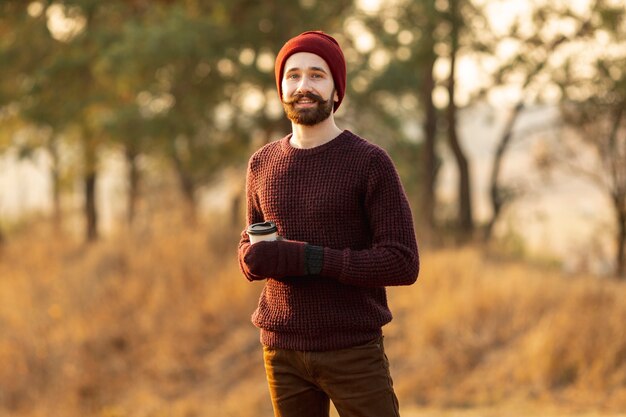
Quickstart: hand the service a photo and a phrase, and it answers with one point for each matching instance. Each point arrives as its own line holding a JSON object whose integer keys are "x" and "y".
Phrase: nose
{"x": 303, "y": 86}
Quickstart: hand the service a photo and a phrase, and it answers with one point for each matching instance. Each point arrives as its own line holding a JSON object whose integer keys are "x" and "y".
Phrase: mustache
{"x": 300, "y": 96}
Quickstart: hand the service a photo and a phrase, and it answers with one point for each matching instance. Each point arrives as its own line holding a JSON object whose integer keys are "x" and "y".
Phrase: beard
{"x": 310, "y": 116}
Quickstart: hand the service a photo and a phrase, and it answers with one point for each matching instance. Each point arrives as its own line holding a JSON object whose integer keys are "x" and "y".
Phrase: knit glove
{"x": 283, "y": 258}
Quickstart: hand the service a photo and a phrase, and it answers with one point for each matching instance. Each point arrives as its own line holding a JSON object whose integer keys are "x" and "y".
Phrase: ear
{"x": 335, "y": 96}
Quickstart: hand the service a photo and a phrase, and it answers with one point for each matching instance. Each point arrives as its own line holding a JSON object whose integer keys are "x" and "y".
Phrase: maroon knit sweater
{"x": 346, "y": 197}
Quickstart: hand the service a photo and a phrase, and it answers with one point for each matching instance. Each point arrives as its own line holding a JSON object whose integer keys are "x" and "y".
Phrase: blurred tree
{"x": 594, "y": 106}
{"x": 25, "y": 48}
{"x": 430, "y": 159}
{"x": 262, "y": 29}
{"x": 416, "y": 36}
{"x": 64, "y": 92}
{"x": 159, "y": 72}
{"x": 192, "y": 81}
{"x": 456, "y": 14}
{"x": 393, "y": 82}
{"x": 531, "y": 72}
{"x": 197, "y": 90}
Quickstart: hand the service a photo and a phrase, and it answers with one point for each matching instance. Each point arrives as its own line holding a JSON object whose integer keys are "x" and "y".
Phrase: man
{"x": 346, "y": 232}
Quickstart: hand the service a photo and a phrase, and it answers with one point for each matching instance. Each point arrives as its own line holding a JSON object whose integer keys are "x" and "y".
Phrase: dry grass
{"x": 475, "y": 332}
{"x": 156, "y": 323}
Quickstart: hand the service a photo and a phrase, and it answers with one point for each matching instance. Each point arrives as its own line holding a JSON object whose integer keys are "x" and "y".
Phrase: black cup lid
{"x": 264, "y": 228}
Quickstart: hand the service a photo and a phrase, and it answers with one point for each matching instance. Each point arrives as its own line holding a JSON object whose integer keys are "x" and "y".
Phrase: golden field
{"x": 155, "y": 322}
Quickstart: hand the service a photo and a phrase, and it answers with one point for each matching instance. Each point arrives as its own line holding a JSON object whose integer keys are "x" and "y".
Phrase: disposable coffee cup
{"x": 262, "y": 231}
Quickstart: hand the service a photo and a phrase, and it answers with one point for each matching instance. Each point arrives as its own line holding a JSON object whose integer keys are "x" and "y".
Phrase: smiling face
{"x": 308, "y": 89}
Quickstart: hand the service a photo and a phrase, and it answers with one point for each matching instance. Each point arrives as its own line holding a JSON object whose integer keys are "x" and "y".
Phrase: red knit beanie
{"x": 321, "y": 44}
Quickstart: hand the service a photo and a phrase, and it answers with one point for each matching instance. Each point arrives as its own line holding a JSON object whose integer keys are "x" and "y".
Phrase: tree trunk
{"x": 497, "y": 199}
{"x": 236, "y": 217}
{"x": 55, "y": 175}
{"x": 91, "y": 213}
{"x": 620, "y": 262}
{"x": 188, "y": 190}
{"x": 429, "y": 157}
{"x": 466, "y": 223}
{"x": 57, "y": 217}
{"x": 90, "y": 177}
{"x": 613, "y": 159}
{"x": 133, "y": 183}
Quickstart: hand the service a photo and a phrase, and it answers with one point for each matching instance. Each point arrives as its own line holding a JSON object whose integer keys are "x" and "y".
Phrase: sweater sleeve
{"x": 392, "y": 259}
{"x": 253, "y": 215}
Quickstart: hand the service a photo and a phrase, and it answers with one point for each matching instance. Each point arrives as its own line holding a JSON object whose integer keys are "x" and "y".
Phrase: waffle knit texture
{"x": 322, "y": 45}
{"x": 343, "y": 198}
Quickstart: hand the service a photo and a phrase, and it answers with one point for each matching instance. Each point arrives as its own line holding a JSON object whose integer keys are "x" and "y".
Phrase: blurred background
{"x": 125, "y": 131}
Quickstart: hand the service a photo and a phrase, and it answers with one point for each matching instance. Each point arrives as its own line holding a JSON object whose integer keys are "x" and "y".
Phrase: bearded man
{"x": 346, "y": 233}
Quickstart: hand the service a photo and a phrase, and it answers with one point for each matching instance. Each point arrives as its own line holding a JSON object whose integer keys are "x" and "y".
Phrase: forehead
{"x": 303, "y": 60}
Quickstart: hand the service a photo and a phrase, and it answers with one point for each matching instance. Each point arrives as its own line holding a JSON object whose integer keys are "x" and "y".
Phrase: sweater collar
{"x": 290, "y": 150}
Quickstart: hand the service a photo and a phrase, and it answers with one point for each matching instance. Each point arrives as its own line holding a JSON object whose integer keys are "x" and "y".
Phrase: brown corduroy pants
{"x": 357, "y": 380}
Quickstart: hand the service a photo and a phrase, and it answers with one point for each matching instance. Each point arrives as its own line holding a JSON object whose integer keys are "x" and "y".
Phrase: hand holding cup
{"x": 264, "y": 231}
